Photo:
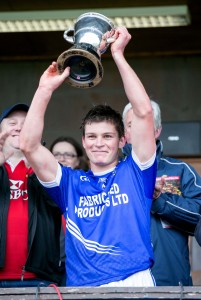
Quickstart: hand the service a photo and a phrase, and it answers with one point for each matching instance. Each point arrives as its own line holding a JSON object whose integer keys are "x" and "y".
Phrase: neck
{"x": 103, "y": 168}
{"x": 15, "y": 158}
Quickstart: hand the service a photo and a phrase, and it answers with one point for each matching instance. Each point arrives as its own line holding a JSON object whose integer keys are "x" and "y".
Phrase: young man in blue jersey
{"x": 175, "y": 211}
{"x": 107, "y": 209}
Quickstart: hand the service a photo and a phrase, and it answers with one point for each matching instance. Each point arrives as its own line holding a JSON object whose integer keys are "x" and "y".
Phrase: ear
{"x": 158, "y": 132}
{"x": 122, "y": 142}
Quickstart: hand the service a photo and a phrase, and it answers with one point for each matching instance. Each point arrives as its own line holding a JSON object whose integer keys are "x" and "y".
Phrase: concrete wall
{"x": 174, "y": 81}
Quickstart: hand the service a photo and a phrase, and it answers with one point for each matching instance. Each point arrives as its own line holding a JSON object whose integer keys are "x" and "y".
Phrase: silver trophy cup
{"x": 84, "y": 57}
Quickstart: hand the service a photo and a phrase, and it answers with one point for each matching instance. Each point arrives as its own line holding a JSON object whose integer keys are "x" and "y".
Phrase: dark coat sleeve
{"x": 182, "y": 209}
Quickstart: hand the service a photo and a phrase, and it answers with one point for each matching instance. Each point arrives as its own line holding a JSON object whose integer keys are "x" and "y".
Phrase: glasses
{"x": 65, "y": 155}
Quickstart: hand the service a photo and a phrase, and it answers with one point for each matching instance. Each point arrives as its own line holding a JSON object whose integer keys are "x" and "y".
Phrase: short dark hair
{"x": 100, "y": 113}
{"x": 70, "y": 140}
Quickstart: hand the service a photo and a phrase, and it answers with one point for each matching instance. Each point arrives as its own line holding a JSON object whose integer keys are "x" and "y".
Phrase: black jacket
{"x": 43, "y": 229}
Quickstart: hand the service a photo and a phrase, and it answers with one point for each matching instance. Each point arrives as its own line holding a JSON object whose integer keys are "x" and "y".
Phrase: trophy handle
{"x": 68, "y": 38}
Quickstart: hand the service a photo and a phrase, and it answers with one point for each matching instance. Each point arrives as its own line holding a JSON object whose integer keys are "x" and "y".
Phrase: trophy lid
{"x": 96, "y": 15}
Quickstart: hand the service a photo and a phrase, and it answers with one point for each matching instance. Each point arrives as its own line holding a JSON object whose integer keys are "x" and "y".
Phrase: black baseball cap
{"x": 16, "y": 107}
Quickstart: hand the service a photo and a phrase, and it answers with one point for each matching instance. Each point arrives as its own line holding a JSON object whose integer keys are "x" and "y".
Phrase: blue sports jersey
{"x": 108, "y": 222}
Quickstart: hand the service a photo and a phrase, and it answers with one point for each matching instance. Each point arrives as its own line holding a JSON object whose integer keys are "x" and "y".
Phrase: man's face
{"x": 101, "y": 143}
{"x": 128, "y": 121}
{"x": 127, "y": 125}
{"x": 13, "y": 124}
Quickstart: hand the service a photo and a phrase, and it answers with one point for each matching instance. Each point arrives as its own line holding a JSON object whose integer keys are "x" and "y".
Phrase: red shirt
{"x": 17, "y": 224}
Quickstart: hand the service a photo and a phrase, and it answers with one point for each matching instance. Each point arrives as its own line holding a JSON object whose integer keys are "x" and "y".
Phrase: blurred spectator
{"x": 69, "y": 153}
{"x": 175, "y": 210}
{"x": 30, "y": 220}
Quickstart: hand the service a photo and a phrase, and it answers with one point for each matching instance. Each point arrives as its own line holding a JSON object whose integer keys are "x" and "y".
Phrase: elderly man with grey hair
{"x": 175, "y": 210}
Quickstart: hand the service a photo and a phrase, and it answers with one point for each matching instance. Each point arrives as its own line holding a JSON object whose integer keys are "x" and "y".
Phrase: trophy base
{"x": 86, "y": 70}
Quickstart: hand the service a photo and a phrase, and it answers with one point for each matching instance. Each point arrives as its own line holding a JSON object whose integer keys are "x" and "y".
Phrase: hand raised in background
{"x": 4, "y": 156}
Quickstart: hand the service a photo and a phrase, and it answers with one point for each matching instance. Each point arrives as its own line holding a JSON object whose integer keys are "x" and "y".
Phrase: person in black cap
{"x": 30, "y": 227}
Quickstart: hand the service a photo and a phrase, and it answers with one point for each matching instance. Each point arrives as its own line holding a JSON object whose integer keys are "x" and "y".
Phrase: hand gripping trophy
{"x": 89, "y": 43}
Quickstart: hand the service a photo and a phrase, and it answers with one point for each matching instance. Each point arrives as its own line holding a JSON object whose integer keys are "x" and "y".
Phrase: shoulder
{"x": 171, "y": 161}
{"x": 177, "y": 163}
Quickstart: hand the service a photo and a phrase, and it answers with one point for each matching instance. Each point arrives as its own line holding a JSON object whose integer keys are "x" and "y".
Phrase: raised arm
{"x": 142, "y": 130}
{"x": 39, "y": 157}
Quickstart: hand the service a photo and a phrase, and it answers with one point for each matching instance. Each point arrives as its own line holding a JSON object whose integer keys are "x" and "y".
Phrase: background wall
{"x": 173, "y": 81}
